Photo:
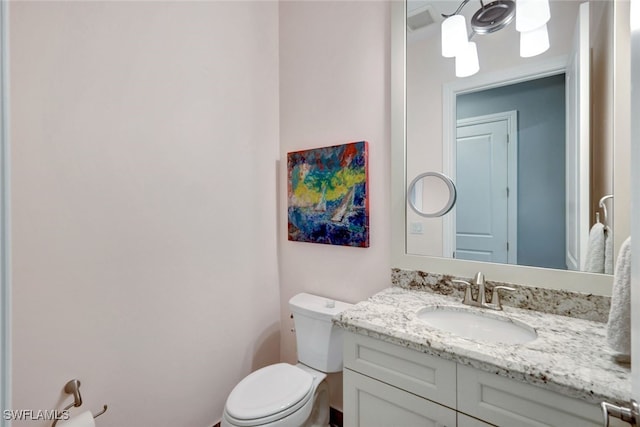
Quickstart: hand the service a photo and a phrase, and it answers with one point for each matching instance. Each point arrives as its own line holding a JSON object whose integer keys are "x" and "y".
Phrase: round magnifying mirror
{"x": 431, "y": 194}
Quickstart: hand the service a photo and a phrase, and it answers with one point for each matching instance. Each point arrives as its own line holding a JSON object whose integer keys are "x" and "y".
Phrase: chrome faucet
{"x": 481, "y": 299}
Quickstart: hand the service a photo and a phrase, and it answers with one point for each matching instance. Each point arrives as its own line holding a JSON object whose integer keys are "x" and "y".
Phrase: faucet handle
{"x": 468, "y": 297}
{"x": 495, "y": 295}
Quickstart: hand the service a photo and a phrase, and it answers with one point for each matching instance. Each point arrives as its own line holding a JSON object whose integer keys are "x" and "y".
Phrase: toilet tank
{"x": 319, "y": 342}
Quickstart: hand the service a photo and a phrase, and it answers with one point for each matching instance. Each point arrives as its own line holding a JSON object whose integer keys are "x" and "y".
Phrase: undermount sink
{"x": 479, "y": 326}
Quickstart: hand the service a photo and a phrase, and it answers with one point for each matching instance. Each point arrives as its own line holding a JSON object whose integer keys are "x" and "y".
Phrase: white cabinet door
{"x": 371, "y": 403}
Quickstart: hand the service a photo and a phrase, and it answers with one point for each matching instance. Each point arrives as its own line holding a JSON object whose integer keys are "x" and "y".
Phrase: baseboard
{"x": 335, "y": 418}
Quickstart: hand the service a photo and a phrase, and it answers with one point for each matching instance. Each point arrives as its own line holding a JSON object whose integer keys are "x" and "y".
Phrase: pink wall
{"x": 335, "y": 87}
{"x": 144, "y": 149}
{"x": 146, "y": 192}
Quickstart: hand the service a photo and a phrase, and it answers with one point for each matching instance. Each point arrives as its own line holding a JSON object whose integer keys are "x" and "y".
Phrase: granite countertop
{"x": 570, "y": 355}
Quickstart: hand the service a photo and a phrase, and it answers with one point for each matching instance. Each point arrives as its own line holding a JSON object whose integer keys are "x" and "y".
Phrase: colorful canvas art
{"x": 328, "y": 195}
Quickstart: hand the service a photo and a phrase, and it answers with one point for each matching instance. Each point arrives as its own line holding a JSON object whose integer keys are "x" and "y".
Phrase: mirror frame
{"x": 635, "y": 177}
{"x": 5, "y": 248}
{"x": 598, "y": 284}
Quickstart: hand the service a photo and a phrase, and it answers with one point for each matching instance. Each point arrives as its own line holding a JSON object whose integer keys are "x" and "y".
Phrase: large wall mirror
{"x": 535, "y": 146}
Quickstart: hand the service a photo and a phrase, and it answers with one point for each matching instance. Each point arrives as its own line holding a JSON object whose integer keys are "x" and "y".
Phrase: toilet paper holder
{"x": 73, "y": 387}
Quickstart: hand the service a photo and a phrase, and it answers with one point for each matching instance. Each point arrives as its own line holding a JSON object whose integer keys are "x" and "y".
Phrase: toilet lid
{"x": 268, "y": 391}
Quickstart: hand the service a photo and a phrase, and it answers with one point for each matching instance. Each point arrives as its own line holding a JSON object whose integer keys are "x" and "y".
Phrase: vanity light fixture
{"x": 531, "y": 22}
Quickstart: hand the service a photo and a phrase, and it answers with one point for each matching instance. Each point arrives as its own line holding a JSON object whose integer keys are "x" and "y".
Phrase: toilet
{"x": 285, "y": 395}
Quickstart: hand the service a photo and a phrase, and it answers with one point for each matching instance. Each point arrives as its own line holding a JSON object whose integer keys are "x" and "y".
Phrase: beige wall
{"x": 334, "y": 73}
{"x": 602, "y": 106}
{"x": 622, "y": 123}
{"x": 144, "y": 148}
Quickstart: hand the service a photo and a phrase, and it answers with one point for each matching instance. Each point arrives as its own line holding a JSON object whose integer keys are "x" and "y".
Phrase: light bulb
{"x": 467, "y": 63}
{"x": 531, "y": 14}
{"x": 454, "y": 35}
{"x": 534, "y": 42}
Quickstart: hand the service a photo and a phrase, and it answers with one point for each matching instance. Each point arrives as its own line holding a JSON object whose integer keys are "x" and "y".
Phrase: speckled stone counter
{"x": 570, "y": 355}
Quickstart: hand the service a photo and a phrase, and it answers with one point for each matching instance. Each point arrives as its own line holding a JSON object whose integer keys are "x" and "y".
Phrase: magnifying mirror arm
{"x": 463, "y": 4}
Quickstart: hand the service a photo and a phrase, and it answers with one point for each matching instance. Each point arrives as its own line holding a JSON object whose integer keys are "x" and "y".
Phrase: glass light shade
{"x": 454, "y": 35}
{"x": 467, "y": 61}
{"x": 531, "y": 14}
{"x": 534, "y": 42}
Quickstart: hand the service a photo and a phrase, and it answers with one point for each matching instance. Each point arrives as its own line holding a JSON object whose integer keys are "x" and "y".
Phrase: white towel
{"x": 619, "y": 326}
{"x": 608, "y": 251}
{"x": 594, "y": 262}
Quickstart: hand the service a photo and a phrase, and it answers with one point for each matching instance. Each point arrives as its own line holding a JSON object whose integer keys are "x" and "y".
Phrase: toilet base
{"x": 320, "y": 413}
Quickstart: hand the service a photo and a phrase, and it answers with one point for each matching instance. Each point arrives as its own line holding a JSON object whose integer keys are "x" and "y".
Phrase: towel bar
{"x": 604, "y": 207}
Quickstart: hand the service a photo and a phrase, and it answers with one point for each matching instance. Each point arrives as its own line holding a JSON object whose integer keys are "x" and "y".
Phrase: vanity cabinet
{"x": 386, "y": 384}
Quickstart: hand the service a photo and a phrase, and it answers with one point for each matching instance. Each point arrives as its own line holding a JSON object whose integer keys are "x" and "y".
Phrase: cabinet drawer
{"x": 506, "y": 402}
{"x": 372, "y": 403}
{"x": 426, "y": 376}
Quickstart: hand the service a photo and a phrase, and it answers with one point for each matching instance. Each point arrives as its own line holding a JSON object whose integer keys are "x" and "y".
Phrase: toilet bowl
{"x": 285, "y": 395}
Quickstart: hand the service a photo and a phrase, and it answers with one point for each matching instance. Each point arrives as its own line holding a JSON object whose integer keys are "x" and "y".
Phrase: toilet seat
{"x": 269, "y": 394}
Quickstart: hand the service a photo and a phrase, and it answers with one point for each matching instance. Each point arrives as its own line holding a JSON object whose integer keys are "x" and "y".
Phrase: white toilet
{"x": 284, "y": 395}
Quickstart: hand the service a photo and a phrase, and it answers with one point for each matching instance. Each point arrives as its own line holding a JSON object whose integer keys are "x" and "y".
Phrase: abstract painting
{"x": 328, "y": 195}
